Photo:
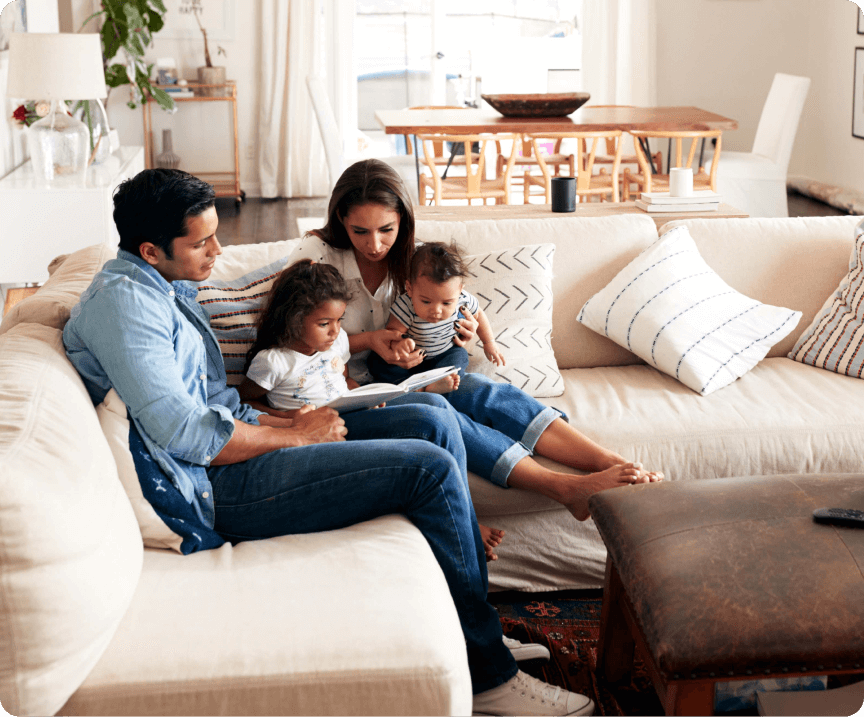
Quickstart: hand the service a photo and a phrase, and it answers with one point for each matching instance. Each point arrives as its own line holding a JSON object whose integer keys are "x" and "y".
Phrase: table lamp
{"x": 56, "y": 67}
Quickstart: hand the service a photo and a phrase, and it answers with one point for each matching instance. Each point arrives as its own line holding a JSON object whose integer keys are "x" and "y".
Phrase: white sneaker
{"x": 526, "y": 695}
{"x": 526, "y": 650}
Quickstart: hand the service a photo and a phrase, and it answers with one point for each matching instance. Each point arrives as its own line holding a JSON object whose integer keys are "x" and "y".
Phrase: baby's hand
{"x": 494, "y": 354}
{"x": 406, "y": 345}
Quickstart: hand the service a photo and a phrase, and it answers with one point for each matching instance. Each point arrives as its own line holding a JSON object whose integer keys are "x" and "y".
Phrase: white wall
{"x": 201, "y": 131}
{"x": 722, "y": 55}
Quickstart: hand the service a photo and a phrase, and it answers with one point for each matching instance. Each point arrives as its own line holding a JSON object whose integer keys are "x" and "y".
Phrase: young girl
{"x": 426, "y": 316}
{"x": 300, "y": 354}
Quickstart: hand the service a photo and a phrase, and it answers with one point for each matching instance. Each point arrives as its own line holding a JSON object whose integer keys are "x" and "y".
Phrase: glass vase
{"x": 59, "y": 146}
{"x": 92, "y": 113}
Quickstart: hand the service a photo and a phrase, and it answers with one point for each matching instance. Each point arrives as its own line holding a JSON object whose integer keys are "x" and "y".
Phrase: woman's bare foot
{"x": 579, "y": 489}
{"x": 492, "y": 538}
{"x": 445, "y": 385}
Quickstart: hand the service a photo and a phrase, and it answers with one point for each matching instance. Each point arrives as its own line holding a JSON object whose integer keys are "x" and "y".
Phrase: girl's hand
{"x": 465, "y": 328}
{"x": 494, "y": 354}
{"x": 387, "y": 343}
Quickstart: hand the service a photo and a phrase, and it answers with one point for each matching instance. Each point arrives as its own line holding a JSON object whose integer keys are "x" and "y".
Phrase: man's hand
{"x": 319, "y": 425}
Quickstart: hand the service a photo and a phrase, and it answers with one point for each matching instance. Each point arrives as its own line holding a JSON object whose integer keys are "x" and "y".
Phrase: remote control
{"x": 840, "y": 516}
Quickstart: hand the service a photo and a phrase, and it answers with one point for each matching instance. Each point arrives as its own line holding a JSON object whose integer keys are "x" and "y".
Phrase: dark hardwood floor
{"x": 260, "y": 220}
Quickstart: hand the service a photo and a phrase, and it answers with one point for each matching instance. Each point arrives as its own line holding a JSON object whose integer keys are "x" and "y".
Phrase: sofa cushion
{"x": 785, "y": 262}
{"x": 70, "y": 274}
{"x": 514, "y": 289}
{"x": 233, "y": 307}
{"x": 670, "y": 308}
{"x": 165, "y": 517}
{"x": 834, "y": 339}
{"x": 352, "y": 621}
{"x": 70, "y": 551}
{"x": 589, "y": 251}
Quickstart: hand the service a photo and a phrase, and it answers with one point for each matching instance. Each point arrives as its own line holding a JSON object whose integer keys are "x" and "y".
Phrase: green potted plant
{"x": 127, "y": 27}
{"x": 208, "y": 74}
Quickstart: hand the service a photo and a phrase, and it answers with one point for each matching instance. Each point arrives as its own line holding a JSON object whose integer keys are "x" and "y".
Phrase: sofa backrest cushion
{"x": 589, "y": 252}
{"x": 796, "y": 263}
{"x": 70, "y": 274}
{"x": 70, "y": 550}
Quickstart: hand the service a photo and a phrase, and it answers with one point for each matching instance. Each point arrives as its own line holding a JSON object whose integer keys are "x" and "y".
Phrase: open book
{"x": 374, "y": 393}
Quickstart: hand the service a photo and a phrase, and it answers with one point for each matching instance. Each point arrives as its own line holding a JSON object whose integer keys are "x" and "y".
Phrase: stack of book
{"x": 700, "y": 201}
{"x": 177, "y": 91}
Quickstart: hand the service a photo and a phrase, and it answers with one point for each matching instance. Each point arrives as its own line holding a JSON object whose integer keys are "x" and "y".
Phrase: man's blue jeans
{"x": 391, "y": 373}
{"x": 406, "y": 459}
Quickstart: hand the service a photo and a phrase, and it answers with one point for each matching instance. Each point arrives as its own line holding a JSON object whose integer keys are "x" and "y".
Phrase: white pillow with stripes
{"x": 835, "y": 339}
{"x": 672, "y": 310}
{"x": 233, "y": 307}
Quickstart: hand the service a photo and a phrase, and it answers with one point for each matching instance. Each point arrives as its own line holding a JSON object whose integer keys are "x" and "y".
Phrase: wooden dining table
{"x": 585, "y": 119}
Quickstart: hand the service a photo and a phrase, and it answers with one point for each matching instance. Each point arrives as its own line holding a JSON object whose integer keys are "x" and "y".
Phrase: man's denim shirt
{"x": 151, "y": 342}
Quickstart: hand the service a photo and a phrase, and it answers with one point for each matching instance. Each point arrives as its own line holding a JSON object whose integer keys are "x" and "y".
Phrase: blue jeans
{"x": 406, "y": 459}
{"x": 500, "y": 424}
{"x": 390, "y": 373}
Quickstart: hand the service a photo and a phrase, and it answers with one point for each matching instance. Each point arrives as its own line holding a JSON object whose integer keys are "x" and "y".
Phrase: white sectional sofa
{"x": 359, "y": 620}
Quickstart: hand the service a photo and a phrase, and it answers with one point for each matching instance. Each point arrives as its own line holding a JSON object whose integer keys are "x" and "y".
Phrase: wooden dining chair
{"x": 608, "y": 156}
{"x": 588, "y": 184}
{"x": 527, "y": 161}
{"x": 442, "y": 155}
{"x": 474, "y": 185}
{"x": 648, "y": 181}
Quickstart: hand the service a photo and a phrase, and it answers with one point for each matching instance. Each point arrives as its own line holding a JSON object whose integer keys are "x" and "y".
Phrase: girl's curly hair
{"x": 300, "y": 289}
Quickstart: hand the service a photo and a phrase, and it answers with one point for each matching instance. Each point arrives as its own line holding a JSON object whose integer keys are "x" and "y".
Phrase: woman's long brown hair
{"x": 372, "y": 181}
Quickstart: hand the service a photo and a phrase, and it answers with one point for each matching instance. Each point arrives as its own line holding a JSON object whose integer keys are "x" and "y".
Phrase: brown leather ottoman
{"x": 728, "y": 579}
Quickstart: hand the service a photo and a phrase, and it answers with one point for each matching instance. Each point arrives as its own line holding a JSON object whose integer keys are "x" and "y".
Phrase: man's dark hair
{"x": 439, "y": 261}
{"x": 153, "y": 207}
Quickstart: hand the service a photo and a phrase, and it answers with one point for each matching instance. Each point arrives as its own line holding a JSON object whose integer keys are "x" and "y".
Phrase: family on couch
{"x": 249, "y": 474}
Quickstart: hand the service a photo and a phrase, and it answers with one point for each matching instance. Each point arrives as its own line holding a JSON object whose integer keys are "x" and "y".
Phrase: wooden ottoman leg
{"x": 689, "y": 698}
{"x": 616, "y": 646}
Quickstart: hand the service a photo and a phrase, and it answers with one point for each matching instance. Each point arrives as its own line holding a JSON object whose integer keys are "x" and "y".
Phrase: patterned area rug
{"x": 568, "y": 623}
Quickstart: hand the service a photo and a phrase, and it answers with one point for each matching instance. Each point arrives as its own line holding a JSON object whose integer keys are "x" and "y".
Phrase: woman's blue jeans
{"x": 500, "y": 424}
{"x": 406, "y": 459}
{"x": 391, "y": 373}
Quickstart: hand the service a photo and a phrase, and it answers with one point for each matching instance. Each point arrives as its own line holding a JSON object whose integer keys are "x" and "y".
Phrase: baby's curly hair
{"x": 438, "y": 261}
{"x": 300, "y": 289}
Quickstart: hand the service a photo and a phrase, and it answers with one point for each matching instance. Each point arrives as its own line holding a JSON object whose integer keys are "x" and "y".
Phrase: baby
{"x": 427, "y": 315}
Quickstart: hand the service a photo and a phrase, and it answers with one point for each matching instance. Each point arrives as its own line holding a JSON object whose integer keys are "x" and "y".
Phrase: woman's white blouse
{"x": 365, "y": 312}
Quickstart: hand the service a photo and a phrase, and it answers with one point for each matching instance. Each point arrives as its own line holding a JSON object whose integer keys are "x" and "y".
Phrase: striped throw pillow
{"x": 672, "y": 310}
{"x": 835, "y": 339}
{"x": 233, "y": 307}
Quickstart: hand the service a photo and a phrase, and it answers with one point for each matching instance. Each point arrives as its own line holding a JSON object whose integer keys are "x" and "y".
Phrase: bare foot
{"x": 445, "y": 385}
{"x": 648, "y": 476}
{"x": 492, "y": 538}
{"x": 581, "y": 488}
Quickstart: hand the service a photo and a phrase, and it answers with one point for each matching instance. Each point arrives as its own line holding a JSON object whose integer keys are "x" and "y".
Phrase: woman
{"x": 369, "y": 237}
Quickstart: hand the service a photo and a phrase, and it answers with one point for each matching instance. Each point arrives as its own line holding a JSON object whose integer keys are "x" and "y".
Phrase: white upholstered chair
{"x": 337, "y": 161}
{"x": 755, "y": 181}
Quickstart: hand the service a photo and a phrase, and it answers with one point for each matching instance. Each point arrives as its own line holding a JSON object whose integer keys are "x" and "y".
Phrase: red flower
{"x": 20, "y": 114}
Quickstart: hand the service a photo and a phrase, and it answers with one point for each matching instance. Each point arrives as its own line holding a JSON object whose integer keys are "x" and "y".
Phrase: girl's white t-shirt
{"x": 365, "y": 311}
{"x": 293, "y": 379}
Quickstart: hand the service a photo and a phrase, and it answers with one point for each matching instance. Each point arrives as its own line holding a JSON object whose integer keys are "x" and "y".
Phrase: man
{"x": 137, "y": 329}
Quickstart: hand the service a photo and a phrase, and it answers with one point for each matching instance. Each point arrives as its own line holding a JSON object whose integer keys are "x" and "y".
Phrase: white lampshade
{"x": 55, "y": 66}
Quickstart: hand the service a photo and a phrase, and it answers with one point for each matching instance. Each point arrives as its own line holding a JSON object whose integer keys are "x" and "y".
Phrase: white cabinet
{"x": 38, "y": 222}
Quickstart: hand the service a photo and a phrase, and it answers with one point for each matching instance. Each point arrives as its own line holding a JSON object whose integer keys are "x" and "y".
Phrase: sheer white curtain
{"x": 291, "y": 155}
{"x": 619, "y": 51}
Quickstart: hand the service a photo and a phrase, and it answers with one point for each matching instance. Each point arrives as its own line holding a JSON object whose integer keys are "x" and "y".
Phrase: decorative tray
{"x": 558, "y": 104}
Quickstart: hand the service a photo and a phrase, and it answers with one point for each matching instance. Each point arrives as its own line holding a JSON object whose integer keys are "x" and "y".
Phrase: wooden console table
{"x": 227, "y": 183}
{"x": 544, "y": 211}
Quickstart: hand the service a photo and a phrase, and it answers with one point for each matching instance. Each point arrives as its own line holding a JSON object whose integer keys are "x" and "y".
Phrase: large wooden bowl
{"x": 551, "y": 104}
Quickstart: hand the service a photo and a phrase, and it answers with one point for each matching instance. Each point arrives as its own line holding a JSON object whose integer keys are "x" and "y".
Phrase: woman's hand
{"x": 465, "y": 328}
{"x": 390, "y": 346}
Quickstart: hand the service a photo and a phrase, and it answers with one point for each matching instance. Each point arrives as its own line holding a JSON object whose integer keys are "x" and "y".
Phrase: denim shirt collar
{"x": 185, "y": 289}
